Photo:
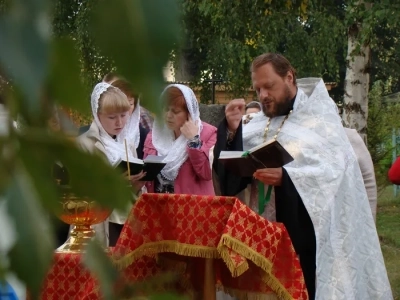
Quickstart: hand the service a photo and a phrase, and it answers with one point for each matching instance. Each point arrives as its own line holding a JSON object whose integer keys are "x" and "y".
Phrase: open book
{"x": 152, "y": 165}
{"x": 245, "y": 163}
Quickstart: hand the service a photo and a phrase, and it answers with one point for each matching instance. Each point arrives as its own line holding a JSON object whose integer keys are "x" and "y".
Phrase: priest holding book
{"x": 319, "y": 195}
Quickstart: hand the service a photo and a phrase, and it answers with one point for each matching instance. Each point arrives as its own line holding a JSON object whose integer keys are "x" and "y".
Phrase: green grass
{"x": 388, "y": 225}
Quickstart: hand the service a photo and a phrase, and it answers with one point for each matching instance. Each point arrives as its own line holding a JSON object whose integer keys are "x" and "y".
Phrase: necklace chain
{"x": 279, "y": 129}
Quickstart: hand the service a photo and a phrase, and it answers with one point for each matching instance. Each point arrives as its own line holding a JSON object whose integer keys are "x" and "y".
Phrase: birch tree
{"x": 355, "y": 112}
{"x": 362, "y": 18}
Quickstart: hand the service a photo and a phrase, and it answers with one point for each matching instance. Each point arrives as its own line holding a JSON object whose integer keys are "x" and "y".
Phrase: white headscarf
{"x": 131, "y": 130}
{"x": 115, "y": 149}
{"x": 256, "y": 102}
{"x": 164, "y": 139}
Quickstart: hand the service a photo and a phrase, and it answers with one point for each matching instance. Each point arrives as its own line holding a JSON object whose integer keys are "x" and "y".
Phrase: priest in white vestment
{"x": 320, "y": 197}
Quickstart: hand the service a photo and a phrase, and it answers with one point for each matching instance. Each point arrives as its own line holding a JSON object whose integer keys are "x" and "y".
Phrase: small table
{"x": 209, "y": 242}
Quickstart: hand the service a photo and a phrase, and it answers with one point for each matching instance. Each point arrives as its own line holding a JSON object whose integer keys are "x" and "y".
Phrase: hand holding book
{"x": 245, "y": 164}
{"x": 269, "y": 176}
{"x": 151, "y": 166}
{"x": 135, "y": 177}
{"x": 136, "y": 181}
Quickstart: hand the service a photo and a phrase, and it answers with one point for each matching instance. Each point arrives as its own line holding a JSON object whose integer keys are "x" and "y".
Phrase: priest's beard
{"x": 275, "y": 107}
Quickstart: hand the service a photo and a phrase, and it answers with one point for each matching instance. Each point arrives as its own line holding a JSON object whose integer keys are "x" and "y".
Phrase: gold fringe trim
{"x": 151, "y": 249}
{"x": 277, "y": 287}
{"x": 259, "y": 260}
{"x": 236, "y": 271}
{"x": 245, "y": 251}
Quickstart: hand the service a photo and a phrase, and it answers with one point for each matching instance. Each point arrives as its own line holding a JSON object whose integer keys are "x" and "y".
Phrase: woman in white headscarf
{"x": 253, "y": 107}
{"x": 185, "y": 141}
{"x": 112, "y": 125}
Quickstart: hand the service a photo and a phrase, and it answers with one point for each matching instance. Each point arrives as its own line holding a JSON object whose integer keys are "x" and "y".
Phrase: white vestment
{"x": 325, "y": 173}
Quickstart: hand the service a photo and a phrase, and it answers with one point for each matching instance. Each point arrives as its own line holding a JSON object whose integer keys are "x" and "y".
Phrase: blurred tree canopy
{"x": 383, "y": 118}
{"x": 219, "y": 39}
{"x": 222, "y": 38}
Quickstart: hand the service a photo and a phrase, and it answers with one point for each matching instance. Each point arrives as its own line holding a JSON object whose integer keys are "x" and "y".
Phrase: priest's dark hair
{"x": 280, "y": 64}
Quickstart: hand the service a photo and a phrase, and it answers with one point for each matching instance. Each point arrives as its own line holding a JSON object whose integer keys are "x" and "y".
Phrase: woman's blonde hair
{"x": 113, "y": 101}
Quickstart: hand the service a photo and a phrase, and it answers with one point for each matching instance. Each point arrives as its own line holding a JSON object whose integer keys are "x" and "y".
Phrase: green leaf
{"x": 165, "y": 297}
{"x": 87, "y": 172}
{"x": 37, "y": 161}
{"x": 65, "y": 85}
{"x": 138, "y": 36}
{"x": 33, "y": 249}
{"x": 5, "y": 163}
{"x": 24, "y": 36}
{"x": 3, "y": 269}
{"x": 99, "y": 264}
{"x": 148, "y": 286}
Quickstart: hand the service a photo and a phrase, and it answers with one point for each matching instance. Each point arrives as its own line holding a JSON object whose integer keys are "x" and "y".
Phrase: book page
{"x": 154, "y": 159}
{"x": 230, "y": 154}
{"x": 123, "y": 161}
{"x": 132, "y": 160}
{"x": 261, "y": 146}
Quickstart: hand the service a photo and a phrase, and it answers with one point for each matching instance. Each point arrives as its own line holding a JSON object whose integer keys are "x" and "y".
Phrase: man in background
{"x": 253, "y": 107}
{"x": 366, "y": 166}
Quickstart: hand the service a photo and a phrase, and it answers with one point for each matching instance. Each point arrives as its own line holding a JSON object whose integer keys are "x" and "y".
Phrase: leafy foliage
{"x": 135, "y": 20}
{"x": 97, "y": 261}
{"x": 221, "y": 38}
{"x": 311, "y": 34}
{"x": 223, "y": 47}
{"x": 35, "y": 239}
{"x": 386, "y": 53}
{"x": 383, "y": 117}
{"x": 71, "y": 18}
{"x": 43, "y": 62}
{"x": 362, "y": 19}
{"x": 94, "y": 63}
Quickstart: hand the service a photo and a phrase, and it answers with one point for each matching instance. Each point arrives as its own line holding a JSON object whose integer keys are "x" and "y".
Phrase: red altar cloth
{"x": 67, "y": 278}
{"x": 252, "y": 255}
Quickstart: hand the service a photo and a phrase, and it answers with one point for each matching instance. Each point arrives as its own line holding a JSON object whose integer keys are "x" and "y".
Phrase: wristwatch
{"x": 194, "y": 142}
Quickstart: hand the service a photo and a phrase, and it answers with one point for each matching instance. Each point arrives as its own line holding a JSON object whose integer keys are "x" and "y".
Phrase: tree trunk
{"x": 355, "y": 110}
{"x": 181, "y": 70}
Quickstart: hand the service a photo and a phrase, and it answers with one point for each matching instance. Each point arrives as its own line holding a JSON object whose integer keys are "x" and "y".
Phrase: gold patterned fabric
{"x": 67, "y": 278}
{"x": 252, "y": 255}
{"x": 253, "y": 258}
